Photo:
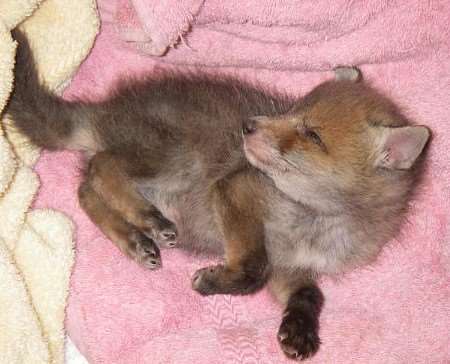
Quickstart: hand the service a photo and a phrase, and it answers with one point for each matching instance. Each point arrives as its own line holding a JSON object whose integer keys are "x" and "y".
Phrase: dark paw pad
{"x": 146, "y": 251}
{"x": 298, "y": 335}
{"x": 167, "y": 237}
{"x": 206, "y": 280}
{"x": 162, "y": 231}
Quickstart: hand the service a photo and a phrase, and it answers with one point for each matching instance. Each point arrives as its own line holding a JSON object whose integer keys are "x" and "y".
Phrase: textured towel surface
{"x": 36, "y": 246}
{"x": 396, "y": 311}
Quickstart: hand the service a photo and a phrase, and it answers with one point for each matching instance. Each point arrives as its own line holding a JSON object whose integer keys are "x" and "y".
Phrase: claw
{"x": 147, "y": 252}
{"x": 282, "y": 336}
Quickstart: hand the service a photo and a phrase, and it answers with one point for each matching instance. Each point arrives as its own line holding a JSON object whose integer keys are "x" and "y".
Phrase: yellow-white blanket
{"x": 36, "y": 246}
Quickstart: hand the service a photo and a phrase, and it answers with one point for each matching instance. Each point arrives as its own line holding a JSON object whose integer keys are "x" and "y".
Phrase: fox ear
{"x": 400, "y": 147}
{"x": 346, "y": 73}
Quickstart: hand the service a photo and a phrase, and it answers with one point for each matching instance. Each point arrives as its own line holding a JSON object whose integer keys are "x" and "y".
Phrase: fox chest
{"x": 307, "y": 243}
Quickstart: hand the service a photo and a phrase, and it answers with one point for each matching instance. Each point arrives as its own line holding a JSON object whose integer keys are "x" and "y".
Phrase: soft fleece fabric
{"x": 395, "y": 311}
{"x": 36, "y": 246}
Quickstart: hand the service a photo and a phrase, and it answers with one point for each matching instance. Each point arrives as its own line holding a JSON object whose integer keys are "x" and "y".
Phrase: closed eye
{"x": 313, "y": 136}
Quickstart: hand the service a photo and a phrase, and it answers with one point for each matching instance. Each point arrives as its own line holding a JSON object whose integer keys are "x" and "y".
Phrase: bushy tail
{"x": 47, "y": 120}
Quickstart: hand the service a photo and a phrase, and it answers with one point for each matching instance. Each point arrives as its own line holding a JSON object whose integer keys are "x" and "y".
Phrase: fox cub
{"x": 286, "y": 189}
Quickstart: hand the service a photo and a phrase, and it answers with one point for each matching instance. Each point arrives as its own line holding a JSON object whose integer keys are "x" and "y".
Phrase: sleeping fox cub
{"x": 286, "y": 189}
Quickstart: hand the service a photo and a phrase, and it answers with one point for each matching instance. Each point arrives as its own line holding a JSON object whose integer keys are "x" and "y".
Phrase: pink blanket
{"x": 396, "y": 311}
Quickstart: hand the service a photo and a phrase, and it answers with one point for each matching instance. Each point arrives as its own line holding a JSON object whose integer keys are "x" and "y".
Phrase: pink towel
{"x": 395, "y": 311}
{"x": 157, "y": 26}
{"x": 298, "y": 35}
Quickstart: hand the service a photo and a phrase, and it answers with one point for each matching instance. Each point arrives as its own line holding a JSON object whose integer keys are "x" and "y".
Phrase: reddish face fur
{"x": 330, "y": 143}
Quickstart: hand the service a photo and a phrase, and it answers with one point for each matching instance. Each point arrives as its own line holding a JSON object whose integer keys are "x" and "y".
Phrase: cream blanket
{"x": 36, "y": 246}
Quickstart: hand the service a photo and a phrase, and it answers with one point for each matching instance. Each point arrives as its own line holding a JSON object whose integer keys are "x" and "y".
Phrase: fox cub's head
{"x": 342, "y": 144}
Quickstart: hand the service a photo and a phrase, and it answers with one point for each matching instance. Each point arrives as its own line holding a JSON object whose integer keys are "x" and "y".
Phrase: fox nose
{"x": 249, "y": 127}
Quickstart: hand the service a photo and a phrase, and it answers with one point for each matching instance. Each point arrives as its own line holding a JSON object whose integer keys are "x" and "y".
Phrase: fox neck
{"x": 306, "y": 194}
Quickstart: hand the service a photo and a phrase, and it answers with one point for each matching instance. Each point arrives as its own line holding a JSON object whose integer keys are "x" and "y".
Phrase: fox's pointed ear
{"x": 399, "y": 148}
{"x": 343, "y": 73}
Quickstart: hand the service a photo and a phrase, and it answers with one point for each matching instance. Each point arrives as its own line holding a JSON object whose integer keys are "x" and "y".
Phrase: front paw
{"x": 206, "y": 281}
{"x": 298, "y": 335}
